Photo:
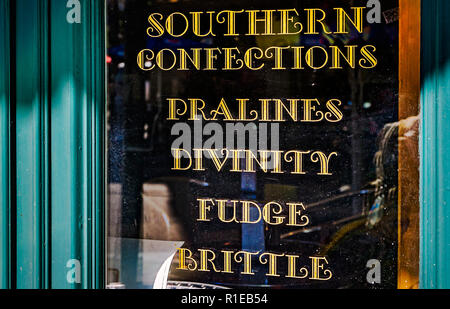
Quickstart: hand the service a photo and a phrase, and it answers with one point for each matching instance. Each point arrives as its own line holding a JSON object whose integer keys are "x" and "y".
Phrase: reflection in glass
{"x": 349, "y": 216}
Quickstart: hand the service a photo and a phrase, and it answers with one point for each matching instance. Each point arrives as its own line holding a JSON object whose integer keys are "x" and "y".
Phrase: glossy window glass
{"x": 260, "y": 144}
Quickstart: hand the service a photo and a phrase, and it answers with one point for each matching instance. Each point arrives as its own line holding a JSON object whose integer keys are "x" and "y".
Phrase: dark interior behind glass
{"x": 353, "y": 213}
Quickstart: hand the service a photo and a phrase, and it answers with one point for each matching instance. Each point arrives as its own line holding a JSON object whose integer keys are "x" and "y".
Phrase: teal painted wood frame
{"x": 32, "y": 153}
{"x": 60, "y": 112}
{"x": 435, "y": 145}
{"x": 77, "y": 133}
{"x": 60, "y": 144}
{"x": 5, "y": 205}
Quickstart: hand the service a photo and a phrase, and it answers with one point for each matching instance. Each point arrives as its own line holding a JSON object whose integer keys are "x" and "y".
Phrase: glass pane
{"x": 258, "y": 144}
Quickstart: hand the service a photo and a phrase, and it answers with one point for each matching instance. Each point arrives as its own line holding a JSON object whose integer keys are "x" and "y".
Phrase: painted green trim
{"x": 4, "y": 147}
{"x": 435, "y": 146}
{"x": 32, "y": 144}
{"x": 60, "y": 141}
{"x": 77, "y": 143}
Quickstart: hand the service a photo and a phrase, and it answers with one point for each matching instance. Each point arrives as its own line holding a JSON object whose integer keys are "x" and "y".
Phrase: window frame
{"x": 56, "y": 176}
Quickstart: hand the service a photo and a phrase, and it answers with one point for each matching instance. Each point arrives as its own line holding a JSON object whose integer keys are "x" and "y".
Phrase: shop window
{"x": 263, "y": 144}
